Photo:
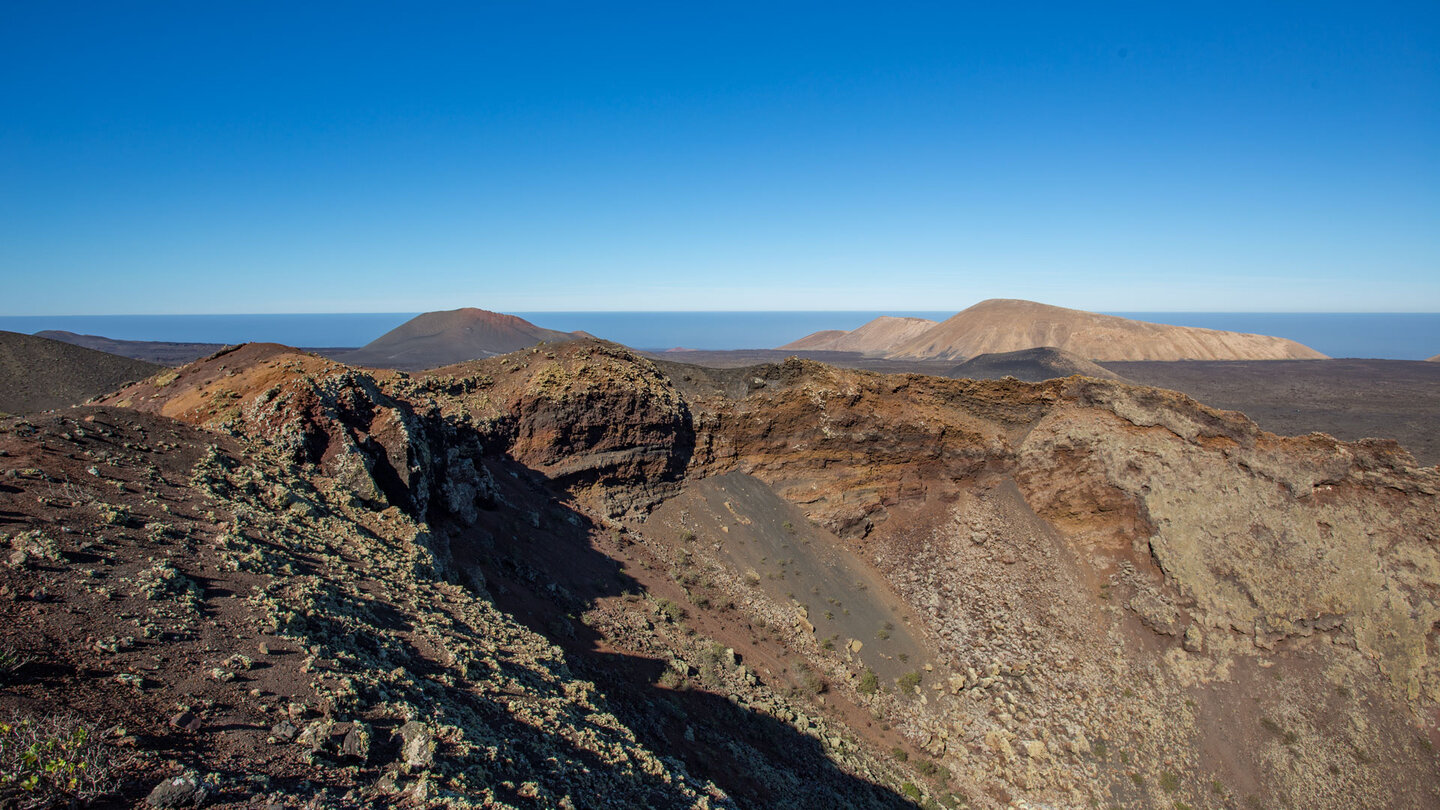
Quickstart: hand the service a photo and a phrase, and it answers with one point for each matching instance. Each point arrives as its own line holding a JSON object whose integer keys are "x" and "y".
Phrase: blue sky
{"x": 254, "y": 157}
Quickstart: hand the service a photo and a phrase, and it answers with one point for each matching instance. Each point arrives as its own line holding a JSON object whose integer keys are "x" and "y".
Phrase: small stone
{"x": 357, "y": 742}
{"x": 240, "y": 662}
{"x": 283, "y": 731}
{"x": 417, "y": 745}
{"x": 315, "y": 736}
{"x": 179, "y": 791}
{"x": 185, "y": 721}
{"x": 1194, "y": 639}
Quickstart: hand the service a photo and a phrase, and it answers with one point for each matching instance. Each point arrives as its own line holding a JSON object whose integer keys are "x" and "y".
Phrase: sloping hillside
{"x": 876, "y": 337}
{"x": 38, "y": 374}
{"x": 1030, "y": 365}
{"x": 1005, "y": 325}
{"x": 454, "y": 336}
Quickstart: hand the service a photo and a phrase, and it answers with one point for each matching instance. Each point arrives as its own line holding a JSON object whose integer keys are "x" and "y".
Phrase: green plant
{"x": 1169, "y": 782}
{"x": 810, "y": 680}
{"x": 869, "y": 683}
{"x": 1286, "y": 736}
{"x": 55, "y": 759}
{"x": 899, "y": 754}
{"x": 10, "y": 664}
{"x": 911, "y": 791}
{"x": 909, "y": 681}
{"x": 671, "y": 611}
{"x": 672, "y": 679}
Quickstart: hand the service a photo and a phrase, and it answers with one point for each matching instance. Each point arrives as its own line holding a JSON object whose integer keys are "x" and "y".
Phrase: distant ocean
{"x": 1398, "y": 336}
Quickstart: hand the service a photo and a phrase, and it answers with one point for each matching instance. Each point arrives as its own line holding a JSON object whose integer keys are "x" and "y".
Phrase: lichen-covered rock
{"x": 179, "y": 791}
{"x": 417, "y": 745}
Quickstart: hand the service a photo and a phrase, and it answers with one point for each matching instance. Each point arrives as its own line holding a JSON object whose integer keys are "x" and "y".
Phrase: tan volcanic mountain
{"x": 876, "y": 337}
{"x": 452, "y": 336}
{"x": 1007, "y": 325}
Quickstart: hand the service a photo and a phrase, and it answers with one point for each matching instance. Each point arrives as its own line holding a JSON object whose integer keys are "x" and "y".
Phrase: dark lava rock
{"x": 179, "y": 791}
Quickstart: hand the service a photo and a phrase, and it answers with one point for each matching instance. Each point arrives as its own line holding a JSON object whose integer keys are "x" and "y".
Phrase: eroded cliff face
{"x": 1199, "y": 584}
{"x": 1125, "y": 597}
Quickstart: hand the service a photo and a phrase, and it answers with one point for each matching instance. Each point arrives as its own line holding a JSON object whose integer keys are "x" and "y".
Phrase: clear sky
{"x": 202, "y": 157}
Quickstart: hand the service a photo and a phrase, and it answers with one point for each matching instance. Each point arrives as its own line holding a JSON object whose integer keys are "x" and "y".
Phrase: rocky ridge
{"x": 1112, "y": 594}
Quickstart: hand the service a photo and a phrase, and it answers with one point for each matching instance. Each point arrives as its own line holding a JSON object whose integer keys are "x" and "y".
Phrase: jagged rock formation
{"x": 1004, "y": 325}
{"x": 38, "y": 374}
{"x": 1031, "y": 365}
{"x": 1073, "y": 593}
{"x": 876, "y": 337}
{"x": 164, "y": 353}
{"x": 453, "y": 336}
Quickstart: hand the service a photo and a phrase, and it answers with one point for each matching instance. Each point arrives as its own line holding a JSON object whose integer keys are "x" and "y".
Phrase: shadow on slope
{"x": 543, "y": 566}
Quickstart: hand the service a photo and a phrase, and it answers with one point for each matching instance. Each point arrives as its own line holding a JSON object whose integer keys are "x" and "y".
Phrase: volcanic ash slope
{"x": 454, "y": 336}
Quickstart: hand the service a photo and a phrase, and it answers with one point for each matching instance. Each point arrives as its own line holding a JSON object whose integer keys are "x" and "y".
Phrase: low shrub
{"x": 56, "y": 759}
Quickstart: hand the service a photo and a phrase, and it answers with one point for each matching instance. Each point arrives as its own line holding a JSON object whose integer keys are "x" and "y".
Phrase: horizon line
{"x": 712, "y": 311}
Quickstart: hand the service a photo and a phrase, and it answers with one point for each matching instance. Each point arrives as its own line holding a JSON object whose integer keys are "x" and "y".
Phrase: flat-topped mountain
{"x": 1030, "y": 365}
{"x": 166, "y": 353}
{"x": 38, "y": 374}
{"x": 1007, "y": 325}
{"x": 876, "y": 337}
{"x": 453, "y": 336}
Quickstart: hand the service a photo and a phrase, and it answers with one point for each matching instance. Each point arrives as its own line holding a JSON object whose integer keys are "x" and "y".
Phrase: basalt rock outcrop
{"x": 385, "y": 449}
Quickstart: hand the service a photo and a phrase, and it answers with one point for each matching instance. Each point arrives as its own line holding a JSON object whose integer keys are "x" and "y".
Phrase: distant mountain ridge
{"x": 1001, "y": 325}
{"x": 875, "y": 337}
{"x": 442, "y": 338}
{"x": 165, "y": 353}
